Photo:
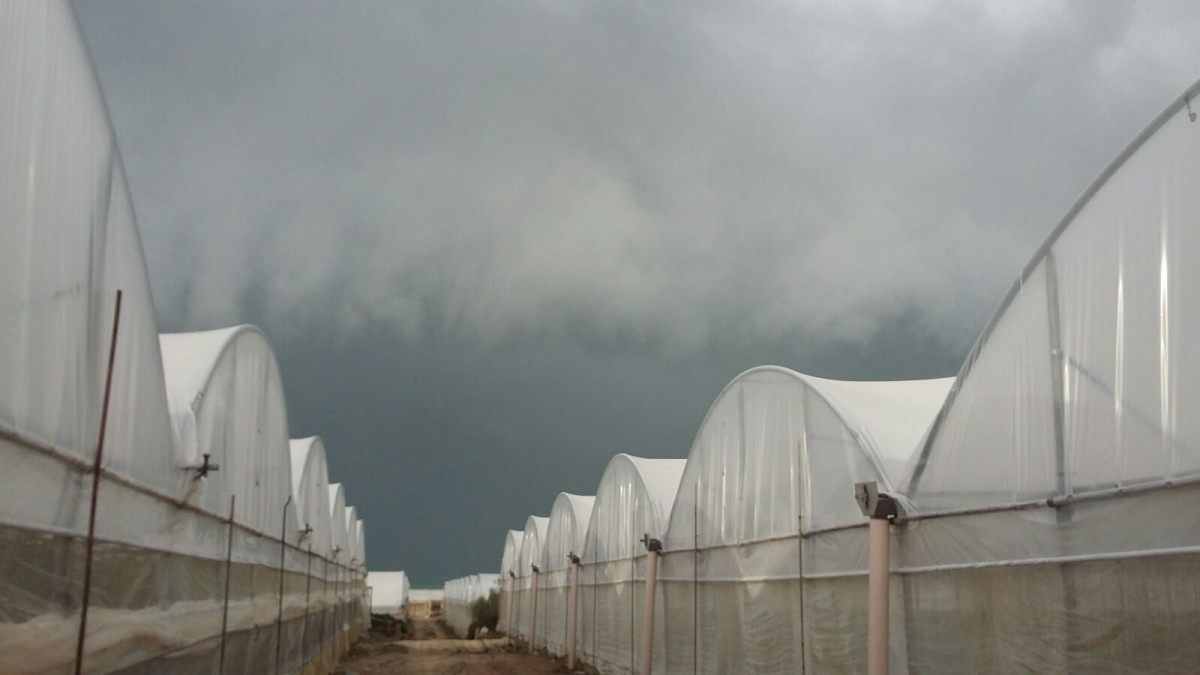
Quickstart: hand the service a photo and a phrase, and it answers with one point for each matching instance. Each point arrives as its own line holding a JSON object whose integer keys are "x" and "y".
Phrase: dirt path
{"x": 432, "y": 653}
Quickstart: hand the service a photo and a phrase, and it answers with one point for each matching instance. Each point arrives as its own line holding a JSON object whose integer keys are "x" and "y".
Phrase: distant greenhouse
{"x": 460, "y": 594}
{"x": 389, "y": 592}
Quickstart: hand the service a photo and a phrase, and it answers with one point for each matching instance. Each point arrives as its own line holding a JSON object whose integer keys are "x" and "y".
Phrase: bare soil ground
{"x": 431, "y": 652}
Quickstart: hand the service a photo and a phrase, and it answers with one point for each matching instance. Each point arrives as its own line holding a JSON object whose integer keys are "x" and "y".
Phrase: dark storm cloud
{"x": 494, "y": 243}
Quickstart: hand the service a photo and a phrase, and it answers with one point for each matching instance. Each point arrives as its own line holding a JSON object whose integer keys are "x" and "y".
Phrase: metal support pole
{"x": 351, "y": 588}
{"x": 572, "y": 610}
{"x": 800, "y": 579}
{"x": 228, "y": 575}
{"x": 877, "y": 593}
{"x": 337, "y": 598}
{"x": 696, "y": 581}
{"x": 282, "y": 558}
{"x": 91, "y": 535}
{"x": 653, "y": 547}
{"x": 533, "y": 615}
{"x": 882, "y": 510}
{"x": 307, "y": 595}
{"x": 508, "y": 625}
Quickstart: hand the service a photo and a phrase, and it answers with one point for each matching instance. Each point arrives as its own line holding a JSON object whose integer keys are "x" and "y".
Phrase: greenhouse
{"x": 508, "y": 579}
{"x": 1039, "y": 506}
{"x": 226, "y": 403}
{"x": 779, "y": 454}
{"x": 527, "y": 585}
{"x": 1058, "y": 485}
{"x": 460, "y": 594}
{"x": 565, "y": 535}
{"x": 388, "y": 591}
{"x": 310, "y": 485}
{"x": 633, "y": 501}
{"x": 149, "y": 519}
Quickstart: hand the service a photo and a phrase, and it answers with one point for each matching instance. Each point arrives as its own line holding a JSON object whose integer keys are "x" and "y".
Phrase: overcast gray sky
{"x": 494, "y": 243}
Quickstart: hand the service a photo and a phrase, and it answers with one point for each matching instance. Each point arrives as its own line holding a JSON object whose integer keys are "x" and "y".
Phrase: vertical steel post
{"x": 508, "y": 623}
{"x": 307, "y": 595}
{"x": 96, "y": 466}
{"x": 533, "y": 610}
{"x": 228, "y": 575}
{"x": 800, "y": 559}
{"x": 282, "y": 557}
{"x": 572, "y": 611}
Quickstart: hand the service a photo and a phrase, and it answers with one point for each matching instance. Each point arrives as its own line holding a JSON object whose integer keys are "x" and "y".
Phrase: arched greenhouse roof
{"x": 777, "y": 444}
{"x": 226, "y": 400}
{"x": 352, "y": 545}
{"x": 531, "y": 544}
{"x": 1084, "y": 377}
{"x": 68, "y": 242}
{"x": 633, "y": 499}
{"x": 362, "y": 543}
{"x": 337, "y": 523}
{"x": 310, "y": 487}
{"x": 512, "y": 552}
{"x": 567, "y": 530}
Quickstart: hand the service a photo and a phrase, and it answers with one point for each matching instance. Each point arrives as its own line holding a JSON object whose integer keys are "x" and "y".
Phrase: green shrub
{"x": 485, "y": 613}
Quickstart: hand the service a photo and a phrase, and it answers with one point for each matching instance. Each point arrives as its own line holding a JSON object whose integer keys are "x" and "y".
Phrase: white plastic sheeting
{"x": 352, "y": 536}
{"x": 1044, "y": 492}
{"x": 565, "y": 535}
{"x": 164, "y": 541}
{"x": 508, "y": 571}
{"x": 1047, "y": 494}
{"x": 460, "y": 594}
{"x": 68, "y": 243}
{"x": 337, "y": 515}
{"x": 389, "y": 592}
{"x": 226, "y": 401}
{"x": 633, "y": 500}
{"x": 778, "y": 449}
{"x": 310, "y": 485}
{"x": 529, "y": 555}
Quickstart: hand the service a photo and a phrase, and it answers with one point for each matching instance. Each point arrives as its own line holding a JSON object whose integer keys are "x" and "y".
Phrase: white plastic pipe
{"x": 878, "y": 569}
{"x": 648, "y": 611}
{"x": 533, "y": 613}
{"x": 572, "y": 605}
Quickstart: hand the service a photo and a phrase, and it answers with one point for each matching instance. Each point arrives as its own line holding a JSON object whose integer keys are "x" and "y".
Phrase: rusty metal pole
{"x": 228, "y": 574}
{"x": 91, "y": 535}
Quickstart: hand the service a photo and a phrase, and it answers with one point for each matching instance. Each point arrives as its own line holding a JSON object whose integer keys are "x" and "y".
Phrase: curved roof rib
{"x": 1078, "y": 381}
